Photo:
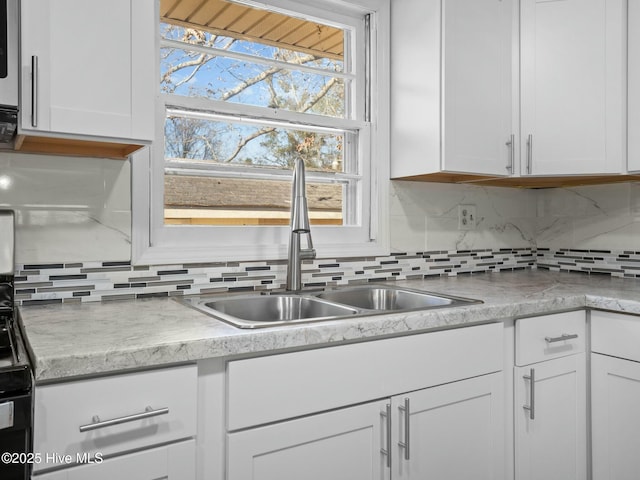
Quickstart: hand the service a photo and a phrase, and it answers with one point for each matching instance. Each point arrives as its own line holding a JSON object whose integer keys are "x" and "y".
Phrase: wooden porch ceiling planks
{"x": 247, "y": 23}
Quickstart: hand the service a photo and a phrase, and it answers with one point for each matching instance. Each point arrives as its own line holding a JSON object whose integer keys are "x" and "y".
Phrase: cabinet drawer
{"x": 541, "y": 338}
{"x": 169, "y": 462}
{"x": 62, "y": 409}
{"x": 268, "y": 389}
{"x": 615, "y": 334}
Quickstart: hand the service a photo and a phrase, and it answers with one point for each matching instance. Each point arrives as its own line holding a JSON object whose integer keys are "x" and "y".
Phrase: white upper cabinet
{"x": 573, "y": 81}
{"x": 451, "y": 73}
{"x": 634, "y": 87}
{"x": 88, "y": 68}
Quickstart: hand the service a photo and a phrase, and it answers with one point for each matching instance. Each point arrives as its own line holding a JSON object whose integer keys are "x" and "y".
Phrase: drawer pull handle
{"x": 148, "y": 413}
{"x": 407, "y": 424}
{"x": 561, "y": 338}
{"x": 531, "y": 408}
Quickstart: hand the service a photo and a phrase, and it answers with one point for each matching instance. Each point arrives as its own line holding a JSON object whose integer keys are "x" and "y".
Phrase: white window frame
{"x": 153, "y": 242}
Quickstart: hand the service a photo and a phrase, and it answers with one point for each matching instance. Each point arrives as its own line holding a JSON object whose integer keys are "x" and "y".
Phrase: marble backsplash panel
{"x": 424, "y": 216}
{"x": 72, "y": 210}
{"x": 599, "y": 217}
{"x": 67, "y": 209}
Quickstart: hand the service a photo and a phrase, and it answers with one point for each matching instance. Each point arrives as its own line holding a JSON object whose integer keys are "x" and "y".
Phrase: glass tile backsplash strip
{"x": 616, "y": 263}
{"x": 104, "y": 281}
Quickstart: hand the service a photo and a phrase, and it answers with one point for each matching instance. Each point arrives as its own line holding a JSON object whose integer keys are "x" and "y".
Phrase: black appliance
{"x": 16, "y": 380}
{"x": 9, "y": 39}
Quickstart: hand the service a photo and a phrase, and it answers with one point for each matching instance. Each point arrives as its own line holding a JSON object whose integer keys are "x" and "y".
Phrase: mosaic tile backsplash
{"x": 103, "y": 281}
{"x": 617, "y": 263}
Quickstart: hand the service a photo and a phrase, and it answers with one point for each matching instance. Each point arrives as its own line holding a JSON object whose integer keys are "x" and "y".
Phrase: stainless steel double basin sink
{"x": 273, "y": 309}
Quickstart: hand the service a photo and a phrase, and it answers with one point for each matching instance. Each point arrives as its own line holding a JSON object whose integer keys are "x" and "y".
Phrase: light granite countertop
{"x": 69, "y": 340}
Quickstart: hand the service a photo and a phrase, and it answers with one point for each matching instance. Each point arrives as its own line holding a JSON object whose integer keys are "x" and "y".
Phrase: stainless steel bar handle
{"x": 407, "y": 424}
{"x": 561, "y": 338}
{"x": 387, "y": 451}
{"x": 34, "y": 91}
{"x": 511, "y": 145}
{"x": 148, "y": 413}
{"x": 531, "y": 408}
{"x": 529, "y": 153}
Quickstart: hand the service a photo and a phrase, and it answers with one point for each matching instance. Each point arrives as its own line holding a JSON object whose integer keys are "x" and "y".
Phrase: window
{"x": 244, "y": 90}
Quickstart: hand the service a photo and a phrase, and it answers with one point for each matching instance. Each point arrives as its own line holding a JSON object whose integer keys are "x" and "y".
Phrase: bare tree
{"x": 284, "y": 88}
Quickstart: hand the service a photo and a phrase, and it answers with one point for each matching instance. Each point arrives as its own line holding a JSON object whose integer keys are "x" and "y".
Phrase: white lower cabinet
{"x": 615, "y": 386}
{"x": 615, "y": 394}
{"x": 414, "y": 407}
{"x": 170, "y": 462}
{"x": 339, "y": 445}
{"x": 550, "y": 411}
{"x": 141, "y": 423}
{"x": 551, "y": 433}
{"x": 452, "y": 431}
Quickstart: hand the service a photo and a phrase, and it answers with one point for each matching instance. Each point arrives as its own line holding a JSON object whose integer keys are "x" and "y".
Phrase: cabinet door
{"x": 339, "y": 445}
{"x": 453, "y": 431}
{"x": 88, "y": 67}
{"x": 634, "y": 86}
{"x": 451, "y": 80}
{"x": 171, "y": 462}
{"x": 573, "y": 56}
{"x": 615, "y": 394}
{"x": 477, "y": 78}
{"x": 553, "y": 444}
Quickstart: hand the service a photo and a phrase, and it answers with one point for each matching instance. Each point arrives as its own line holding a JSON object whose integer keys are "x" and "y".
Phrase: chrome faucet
{"x": 299, "y": 226}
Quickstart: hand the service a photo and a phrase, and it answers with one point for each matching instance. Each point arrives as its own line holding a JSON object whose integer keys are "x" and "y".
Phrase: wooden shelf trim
{"x": 73, "y": 147}
{"x": 522, "y": 182}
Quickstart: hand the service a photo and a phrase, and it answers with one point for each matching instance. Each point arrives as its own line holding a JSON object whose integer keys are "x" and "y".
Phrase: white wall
{"x": 68, "y": 209}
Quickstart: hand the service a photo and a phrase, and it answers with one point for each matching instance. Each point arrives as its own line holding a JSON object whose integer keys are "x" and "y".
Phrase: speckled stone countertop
{"x": 92, "y": 338}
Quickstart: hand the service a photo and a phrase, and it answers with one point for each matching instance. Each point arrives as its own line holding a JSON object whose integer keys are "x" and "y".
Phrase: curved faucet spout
{"x": 299, "y": 226}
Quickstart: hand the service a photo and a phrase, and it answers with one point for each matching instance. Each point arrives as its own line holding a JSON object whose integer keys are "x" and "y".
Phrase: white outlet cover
{"x": 466, "y": 217}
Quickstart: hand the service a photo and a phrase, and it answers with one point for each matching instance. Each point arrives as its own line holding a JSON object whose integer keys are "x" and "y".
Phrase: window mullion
{"x": 213, "y": 170}
{"x": 248, "y": 113}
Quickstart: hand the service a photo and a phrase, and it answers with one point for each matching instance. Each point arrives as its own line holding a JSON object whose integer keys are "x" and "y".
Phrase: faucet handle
{"x": 309, "y": 252}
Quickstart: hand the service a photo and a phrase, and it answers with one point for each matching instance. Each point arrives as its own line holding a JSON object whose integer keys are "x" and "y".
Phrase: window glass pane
{"x": 202, "y": 200}
{"x": 192, "y": 139}
{"x": 195, "y": 74}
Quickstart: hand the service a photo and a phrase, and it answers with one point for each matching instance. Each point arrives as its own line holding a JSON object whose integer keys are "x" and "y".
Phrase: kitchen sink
{"x": 389, "y": 298}
{"x": 272, "y": 309}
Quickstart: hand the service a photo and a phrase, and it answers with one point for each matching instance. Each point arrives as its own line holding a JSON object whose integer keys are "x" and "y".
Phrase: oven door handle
{"x": 148, "y": 413}
{"x": 7, "y": 415}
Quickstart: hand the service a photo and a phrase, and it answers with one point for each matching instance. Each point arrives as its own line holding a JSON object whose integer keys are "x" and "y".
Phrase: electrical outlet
{"x": 466, "y": 217}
